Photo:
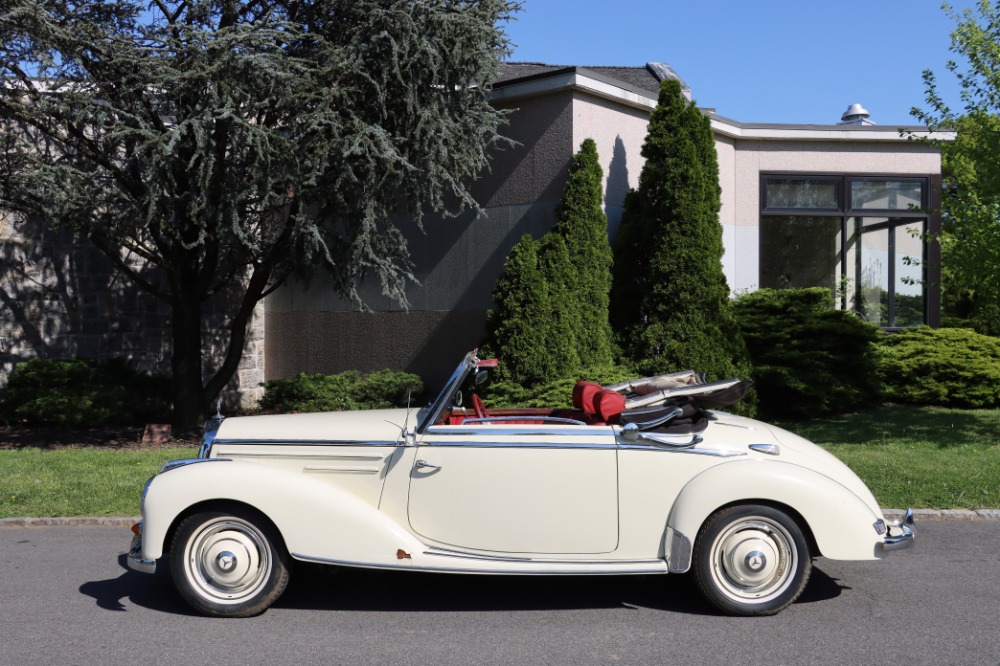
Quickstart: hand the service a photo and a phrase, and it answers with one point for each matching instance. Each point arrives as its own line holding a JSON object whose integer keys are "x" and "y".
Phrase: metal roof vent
{"x": 856, "y": 115}
{"x": 662, "y": 70}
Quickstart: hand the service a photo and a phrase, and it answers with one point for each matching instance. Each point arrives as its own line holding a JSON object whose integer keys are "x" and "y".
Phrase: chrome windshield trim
{"x": 719, "y": 453}
{"x": 476, "y": 444}
{"x": 535, "y": 431}
{"x": 457, "y": 377}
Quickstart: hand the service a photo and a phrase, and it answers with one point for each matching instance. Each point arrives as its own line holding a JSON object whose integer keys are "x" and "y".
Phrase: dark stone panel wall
{"x": 427, "y": 343}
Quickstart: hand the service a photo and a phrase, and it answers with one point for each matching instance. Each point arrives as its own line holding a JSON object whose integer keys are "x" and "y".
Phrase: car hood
{"x": 356, "y": 426}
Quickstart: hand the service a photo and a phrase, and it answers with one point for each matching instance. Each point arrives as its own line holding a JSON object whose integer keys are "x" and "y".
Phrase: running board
{"x": 447, "y": 561}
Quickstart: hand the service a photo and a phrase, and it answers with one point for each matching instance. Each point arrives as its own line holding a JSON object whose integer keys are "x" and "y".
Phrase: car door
{"x": 544, "y": 489}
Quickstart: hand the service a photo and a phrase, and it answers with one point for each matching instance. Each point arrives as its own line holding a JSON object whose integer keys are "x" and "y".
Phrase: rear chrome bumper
{"x": 135, "y": 559}
{"x": 900, "y": 534}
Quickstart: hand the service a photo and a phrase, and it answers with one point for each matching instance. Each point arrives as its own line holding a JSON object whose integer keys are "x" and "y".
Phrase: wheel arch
{"x": 313, "y": 518}
{"x": 835, "y": 522}
{"x": 224, "y": 505}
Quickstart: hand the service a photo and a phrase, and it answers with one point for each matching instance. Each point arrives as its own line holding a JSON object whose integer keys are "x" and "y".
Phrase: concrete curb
{"x": 128, "y": 521}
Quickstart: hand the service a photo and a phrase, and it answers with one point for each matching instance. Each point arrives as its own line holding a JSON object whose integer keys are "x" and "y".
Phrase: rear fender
{"x": 315, "y": 519}
{"x": 841, "y": 523}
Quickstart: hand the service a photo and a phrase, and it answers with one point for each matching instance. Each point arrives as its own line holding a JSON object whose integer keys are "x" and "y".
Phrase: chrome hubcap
{"x": 228, "y": 560}
{"x": 754, "y": 559}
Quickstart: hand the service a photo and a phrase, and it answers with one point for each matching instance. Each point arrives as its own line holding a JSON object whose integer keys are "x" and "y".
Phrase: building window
{"x": 861, "y": 237}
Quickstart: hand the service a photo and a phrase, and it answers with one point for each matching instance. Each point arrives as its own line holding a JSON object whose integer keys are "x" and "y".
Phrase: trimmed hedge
{"x": 809, "y": 359}
{"x": 343, "y": 391}
{"x": 949, "y": 367}
{"x": 83, "y": 393}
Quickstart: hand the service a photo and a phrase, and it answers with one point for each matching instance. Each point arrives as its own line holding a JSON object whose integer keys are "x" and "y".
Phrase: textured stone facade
{"x": 61, "y": 298}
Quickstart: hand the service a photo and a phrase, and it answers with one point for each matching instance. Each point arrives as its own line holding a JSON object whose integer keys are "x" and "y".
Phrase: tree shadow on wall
{"x": 62, "y": 298}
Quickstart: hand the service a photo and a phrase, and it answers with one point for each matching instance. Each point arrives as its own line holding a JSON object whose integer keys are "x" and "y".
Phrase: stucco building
{"x": 840, "y": 205}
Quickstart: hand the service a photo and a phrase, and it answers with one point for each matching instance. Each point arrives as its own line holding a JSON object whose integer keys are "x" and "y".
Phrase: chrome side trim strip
{"x": 340, "y": 470}
{"x": 655, "y": 567}
{"x": 698, "y": 452}
{"x": 300, "y": 456}
{"x": 521, "y": 445}
{"x": 309, "y": 442}
{"x": 441, "y": 552}
{"x": 184, "y": 462}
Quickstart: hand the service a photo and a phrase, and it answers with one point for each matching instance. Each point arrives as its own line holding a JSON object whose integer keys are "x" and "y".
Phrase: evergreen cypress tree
{"x": 670, "y": 299}
{"x": 563, "y": 327}
{"x": 518, "y": 324}
{"x": 584, "y": 228}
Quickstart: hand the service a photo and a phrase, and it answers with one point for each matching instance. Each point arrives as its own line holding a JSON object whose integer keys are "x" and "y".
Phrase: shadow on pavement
{"x": 315, "y": 587}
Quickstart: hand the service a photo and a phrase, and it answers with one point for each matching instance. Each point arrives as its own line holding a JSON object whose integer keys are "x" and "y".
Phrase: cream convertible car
{"x": 641, "y": 478}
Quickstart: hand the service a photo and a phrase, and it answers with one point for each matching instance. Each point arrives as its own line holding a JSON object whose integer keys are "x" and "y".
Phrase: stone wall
{"x": 62, "y": 298}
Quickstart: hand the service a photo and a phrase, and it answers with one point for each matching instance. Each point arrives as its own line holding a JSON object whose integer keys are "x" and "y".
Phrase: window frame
{"x": 928, "y": 213}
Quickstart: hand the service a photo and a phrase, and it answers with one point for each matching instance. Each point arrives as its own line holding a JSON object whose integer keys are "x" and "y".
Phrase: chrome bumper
{"x": 900, "y": 534}
{"x": 135, "y": 559}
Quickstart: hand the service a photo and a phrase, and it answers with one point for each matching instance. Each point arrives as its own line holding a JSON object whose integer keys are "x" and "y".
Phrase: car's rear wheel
{"x": 751, "y": 560}
{"x": 229, "y": 563}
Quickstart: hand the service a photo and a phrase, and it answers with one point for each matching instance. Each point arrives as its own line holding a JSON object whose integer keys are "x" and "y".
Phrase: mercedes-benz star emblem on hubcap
{"x": 226, "y": 561}
{"x": 755, "y": 561}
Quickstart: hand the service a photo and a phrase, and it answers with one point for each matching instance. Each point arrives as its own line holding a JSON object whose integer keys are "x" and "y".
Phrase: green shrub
{"x": 808, "y": 358}
{"x": 950, "y": 367}
{"x": 83, "y": 393}
{"x": 343, "y": 391}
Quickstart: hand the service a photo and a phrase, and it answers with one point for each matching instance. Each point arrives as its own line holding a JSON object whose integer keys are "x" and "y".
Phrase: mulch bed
{"x": 21, "y": 437}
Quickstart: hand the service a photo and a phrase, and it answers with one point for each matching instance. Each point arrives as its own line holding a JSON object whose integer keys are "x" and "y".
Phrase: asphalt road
{"x": 66, "y": 598}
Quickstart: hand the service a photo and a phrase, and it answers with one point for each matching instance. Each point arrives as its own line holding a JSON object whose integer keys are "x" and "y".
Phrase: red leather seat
{"x": 610, "y": 405}
{"x": 583, "y": 396}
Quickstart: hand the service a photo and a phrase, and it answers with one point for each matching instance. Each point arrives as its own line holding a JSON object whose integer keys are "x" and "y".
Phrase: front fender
{"x": 840, "y": 521}
{"x": 315, "y": 519}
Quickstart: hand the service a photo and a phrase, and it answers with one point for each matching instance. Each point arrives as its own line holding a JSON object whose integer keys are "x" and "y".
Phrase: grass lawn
{"x": 78, "y": 481}
{"x": 909, "y": 456}
{"x": 923, "y": 457}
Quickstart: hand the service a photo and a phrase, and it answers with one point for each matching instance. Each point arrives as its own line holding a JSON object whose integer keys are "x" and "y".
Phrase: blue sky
{"x": 774, "y": 61}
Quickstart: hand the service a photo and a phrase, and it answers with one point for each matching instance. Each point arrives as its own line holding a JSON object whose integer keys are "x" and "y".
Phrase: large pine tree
{"x": 218, "y": 146}
{"x": 670, "y": 301}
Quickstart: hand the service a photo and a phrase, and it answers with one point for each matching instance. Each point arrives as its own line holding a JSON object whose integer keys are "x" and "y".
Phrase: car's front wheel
{"x": 228, "y": 563}
{"x": 751, "y": 560}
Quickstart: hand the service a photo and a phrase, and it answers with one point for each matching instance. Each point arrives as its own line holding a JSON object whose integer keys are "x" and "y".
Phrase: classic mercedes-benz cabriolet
{"x": 644, "y": 477}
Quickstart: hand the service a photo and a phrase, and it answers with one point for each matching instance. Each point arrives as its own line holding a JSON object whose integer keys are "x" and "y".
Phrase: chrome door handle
{"x": 423, "y": 464}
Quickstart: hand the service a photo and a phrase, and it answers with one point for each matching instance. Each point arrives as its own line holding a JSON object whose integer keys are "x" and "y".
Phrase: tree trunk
{"x": 186, "y": 364}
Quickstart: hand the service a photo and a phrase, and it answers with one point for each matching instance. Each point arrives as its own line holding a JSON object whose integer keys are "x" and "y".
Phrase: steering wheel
{"x": 479, "y": 407}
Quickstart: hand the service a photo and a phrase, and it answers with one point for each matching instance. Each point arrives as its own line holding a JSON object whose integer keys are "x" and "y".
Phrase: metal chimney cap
{"x": 854, "y": 111}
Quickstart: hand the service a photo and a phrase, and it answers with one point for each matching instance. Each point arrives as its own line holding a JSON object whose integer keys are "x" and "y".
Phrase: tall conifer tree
{"x": 519, "y": 321}
{"x": 584, "y": 228}
{"x": 670, "y": 299}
